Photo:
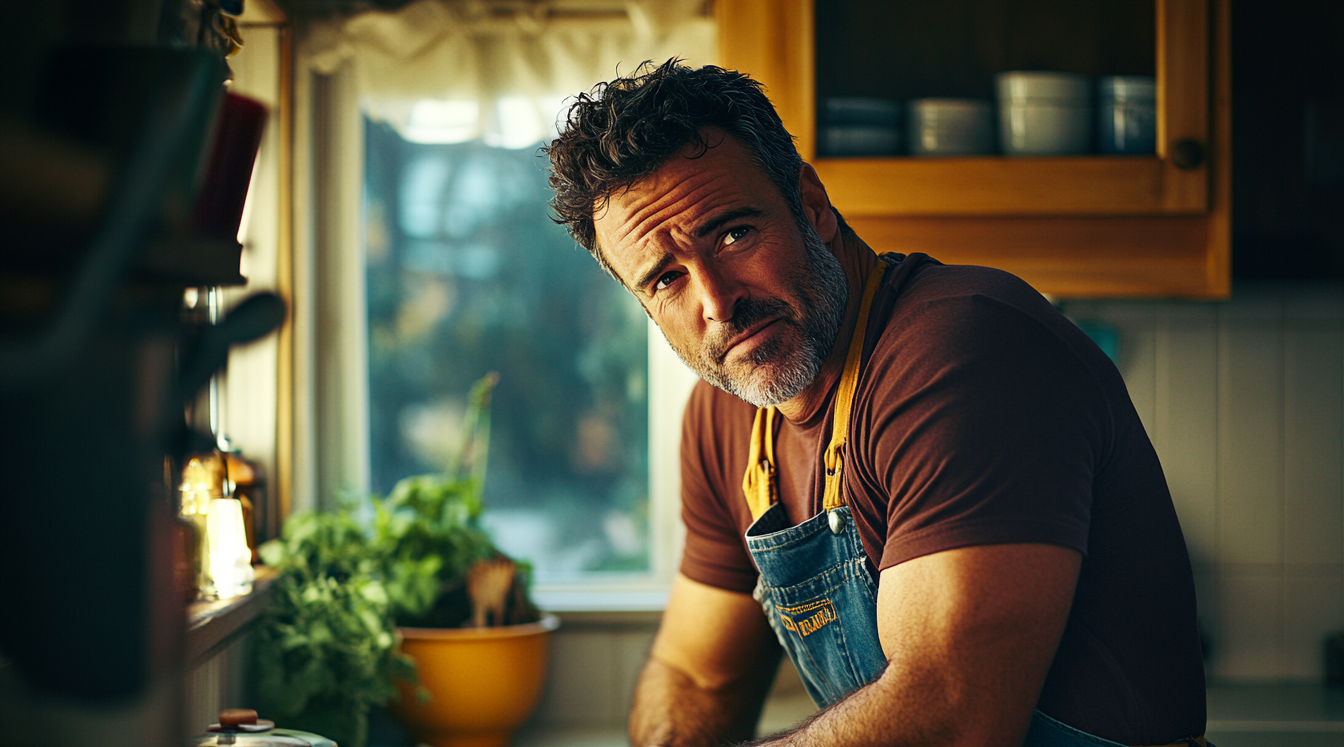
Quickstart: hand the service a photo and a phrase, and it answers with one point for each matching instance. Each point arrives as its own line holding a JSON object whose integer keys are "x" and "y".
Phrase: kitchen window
{"x": 444, "y": 265}
{"x": 466, "y": 274}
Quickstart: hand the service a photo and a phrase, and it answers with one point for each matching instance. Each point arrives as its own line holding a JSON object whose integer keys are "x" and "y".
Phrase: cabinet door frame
{"x": 774, "y": 41}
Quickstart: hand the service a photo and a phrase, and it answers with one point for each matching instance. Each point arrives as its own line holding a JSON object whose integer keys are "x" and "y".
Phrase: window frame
{"x": 332, "y": 389}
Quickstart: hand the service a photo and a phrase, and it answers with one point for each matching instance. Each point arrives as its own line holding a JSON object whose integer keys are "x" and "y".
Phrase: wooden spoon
{"x": 488, "y": 584}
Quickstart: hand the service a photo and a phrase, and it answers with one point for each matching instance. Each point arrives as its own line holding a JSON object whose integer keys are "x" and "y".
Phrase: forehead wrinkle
{"x": 644, "y": 223}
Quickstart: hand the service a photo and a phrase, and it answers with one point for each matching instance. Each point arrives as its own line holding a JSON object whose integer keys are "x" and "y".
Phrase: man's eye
{"x": 736, "y": 234}
{"x": 665, "y": 280}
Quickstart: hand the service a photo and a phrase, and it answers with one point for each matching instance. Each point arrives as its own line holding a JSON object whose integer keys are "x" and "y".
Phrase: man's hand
{"x": 711, "y": 666}
{"x": 969, "y": 635}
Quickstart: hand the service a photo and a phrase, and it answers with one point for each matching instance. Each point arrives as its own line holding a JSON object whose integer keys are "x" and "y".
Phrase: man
{"x": 920, "y": 481}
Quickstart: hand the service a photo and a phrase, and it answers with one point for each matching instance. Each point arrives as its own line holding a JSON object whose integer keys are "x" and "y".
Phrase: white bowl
{"x": 1127, "y": 114}
{"x": 950, "y": 127}
{"x": 1044, "y": 113}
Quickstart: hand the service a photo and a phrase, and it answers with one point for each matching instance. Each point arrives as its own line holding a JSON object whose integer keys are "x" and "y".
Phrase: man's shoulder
{"x": 982, "y": 323}
{"x": 942, "y": 305}
{"x": 939, "y": 282}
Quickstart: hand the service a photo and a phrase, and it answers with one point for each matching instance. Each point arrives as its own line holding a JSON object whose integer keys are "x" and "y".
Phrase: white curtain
{"x": 456, "y": 70}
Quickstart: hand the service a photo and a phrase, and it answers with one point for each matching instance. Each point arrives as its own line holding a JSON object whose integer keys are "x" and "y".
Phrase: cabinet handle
{"x": 1187, "y": 154}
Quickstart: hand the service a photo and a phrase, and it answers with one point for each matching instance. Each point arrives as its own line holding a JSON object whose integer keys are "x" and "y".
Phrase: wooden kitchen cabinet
{"x": 1075, "y": 226}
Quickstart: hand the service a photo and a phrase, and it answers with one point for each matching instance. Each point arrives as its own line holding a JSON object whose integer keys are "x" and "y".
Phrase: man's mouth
{"x": 745, "y": 337}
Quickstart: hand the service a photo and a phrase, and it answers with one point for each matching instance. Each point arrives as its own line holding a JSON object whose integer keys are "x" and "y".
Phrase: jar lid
{"x": 1142, "y": 87}
{"x": 1017, "y": 85}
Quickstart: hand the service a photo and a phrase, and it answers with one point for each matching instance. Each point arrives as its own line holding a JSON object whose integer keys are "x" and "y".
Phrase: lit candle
{"x": 230, "y": 560}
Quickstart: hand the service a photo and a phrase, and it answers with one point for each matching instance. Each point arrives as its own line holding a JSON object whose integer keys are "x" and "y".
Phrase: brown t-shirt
{"x": 983, "y": 416}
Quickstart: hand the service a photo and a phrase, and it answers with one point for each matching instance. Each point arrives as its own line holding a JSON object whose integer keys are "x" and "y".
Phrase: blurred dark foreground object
{"x": 1334, "y": 660}
{"x": 88, "y": 389}
{"x": 219, "y": 205}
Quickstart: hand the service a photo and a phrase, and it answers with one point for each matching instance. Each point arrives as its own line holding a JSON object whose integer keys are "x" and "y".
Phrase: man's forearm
{"x": 871, "y": 715}
{"x": 671, "y": 709}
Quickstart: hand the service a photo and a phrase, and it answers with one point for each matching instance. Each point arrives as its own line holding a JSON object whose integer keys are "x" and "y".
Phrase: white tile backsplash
{"x": 1314, "y": 302}
{"x": 581, "y": 683}
{"x": 633, "y": 648}
{"x": 1313, "y": 606}
{"x": 1251, "y": 640}
{"x": 1186, "y": 399}
{"x": 1313, "y": 443}
{"x": 1250, "y": 441}
{"x": 1247, "y": 414}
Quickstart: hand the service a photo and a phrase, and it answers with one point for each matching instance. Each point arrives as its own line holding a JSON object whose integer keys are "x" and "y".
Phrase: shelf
{"x": 1009, "y": 186}
{"x": 1068, "y": 257}
{"x": 212, "y": 623}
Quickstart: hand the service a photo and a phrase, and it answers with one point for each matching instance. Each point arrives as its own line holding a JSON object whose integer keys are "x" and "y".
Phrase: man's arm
{"x": 969, "y": 635}
{"x": 708, "y": 674}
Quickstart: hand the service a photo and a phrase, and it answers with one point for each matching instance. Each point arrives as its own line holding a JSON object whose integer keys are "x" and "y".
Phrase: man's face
{"x": 750, "y": 300}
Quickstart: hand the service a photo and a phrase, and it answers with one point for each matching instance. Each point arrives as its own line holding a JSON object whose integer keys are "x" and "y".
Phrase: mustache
{"x": 746, "y": 314}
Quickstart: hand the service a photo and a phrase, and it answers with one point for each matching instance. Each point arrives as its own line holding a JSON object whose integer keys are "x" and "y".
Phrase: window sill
{"x": 212, "y": 624}
{"x": 599, "y": 599}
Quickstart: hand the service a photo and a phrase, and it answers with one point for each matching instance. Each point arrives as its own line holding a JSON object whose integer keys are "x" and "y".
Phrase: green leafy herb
{"x": 327, "y": 650}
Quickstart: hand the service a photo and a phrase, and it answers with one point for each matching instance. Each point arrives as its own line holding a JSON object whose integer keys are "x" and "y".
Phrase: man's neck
{"x": 858, "y": 261}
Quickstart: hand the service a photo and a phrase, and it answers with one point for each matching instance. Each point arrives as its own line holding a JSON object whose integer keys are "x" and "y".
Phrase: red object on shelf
{"x": 223, "y": 193}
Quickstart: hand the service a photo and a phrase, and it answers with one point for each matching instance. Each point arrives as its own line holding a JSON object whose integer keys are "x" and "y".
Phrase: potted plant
{"x": 467, "y": 664}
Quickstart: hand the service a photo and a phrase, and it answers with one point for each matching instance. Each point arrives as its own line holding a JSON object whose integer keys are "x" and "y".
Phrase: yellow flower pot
{"x": 483, "y": 683}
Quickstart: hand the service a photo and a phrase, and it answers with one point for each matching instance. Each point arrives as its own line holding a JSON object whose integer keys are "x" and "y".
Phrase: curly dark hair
{"x": 626, "y": 129}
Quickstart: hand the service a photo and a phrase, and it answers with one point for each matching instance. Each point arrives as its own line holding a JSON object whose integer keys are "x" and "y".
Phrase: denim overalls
{"x": 814, "y": 583}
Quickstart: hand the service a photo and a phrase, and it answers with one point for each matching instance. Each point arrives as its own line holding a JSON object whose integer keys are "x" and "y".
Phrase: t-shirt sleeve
{"x": 715, "y": 553}
{"x": 985, "y": 426}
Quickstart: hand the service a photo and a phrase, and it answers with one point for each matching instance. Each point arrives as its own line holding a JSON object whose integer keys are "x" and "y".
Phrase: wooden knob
{"x": 1187, "y": 154}
{"x": 237, "y": 717}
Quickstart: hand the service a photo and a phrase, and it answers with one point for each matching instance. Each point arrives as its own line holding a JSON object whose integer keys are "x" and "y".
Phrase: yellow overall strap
{"x": 759, "y": 483}
{"x": 834, "y": 497}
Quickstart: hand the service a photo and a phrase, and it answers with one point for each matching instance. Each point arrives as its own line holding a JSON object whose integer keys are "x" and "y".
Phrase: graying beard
{"x": 830, "y": 291}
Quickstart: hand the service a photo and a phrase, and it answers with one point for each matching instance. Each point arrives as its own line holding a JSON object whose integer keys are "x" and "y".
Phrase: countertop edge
{"x": 212, "y": 623}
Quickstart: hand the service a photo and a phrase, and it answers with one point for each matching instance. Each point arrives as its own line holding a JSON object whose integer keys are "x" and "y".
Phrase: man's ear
{"x": 816, "y": 203}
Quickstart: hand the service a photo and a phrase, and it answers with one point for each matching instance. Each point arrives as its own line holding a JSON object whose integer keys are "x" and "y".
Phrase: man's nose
{"x": 721, "y": 292}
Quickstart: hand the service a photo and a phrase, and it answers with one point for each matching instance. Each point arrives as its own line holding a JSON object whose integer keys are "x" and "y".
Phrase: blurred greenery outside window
{"x": 467, "y": 274}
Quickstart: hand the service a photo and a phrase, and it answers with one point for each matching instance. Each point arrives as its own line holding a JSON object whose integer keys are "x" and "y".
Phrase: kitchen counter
{"x": 781, "y": 712}
{"x": 1239, "y": 716}
{"x": 212, "y": 624}
{"x": 1275, "y": 715}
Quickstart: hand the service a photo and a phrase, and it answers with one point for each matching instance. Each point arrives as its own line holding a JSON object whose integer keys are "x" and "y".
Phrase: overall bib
{"x": 814, "y": 582}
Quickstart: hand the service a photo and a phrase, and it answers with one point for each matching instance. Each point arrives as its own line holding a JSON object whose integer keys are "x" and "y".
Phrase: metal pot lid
{"x": 256, "y": 728}
{"x": 240, "y": 727}
{"x": 273, "y": 738}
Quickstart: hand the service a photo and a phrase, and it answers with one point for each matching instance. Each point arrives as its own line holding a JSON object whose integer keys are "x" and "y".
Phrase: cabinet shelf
{"x": 1007, "y": 186}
